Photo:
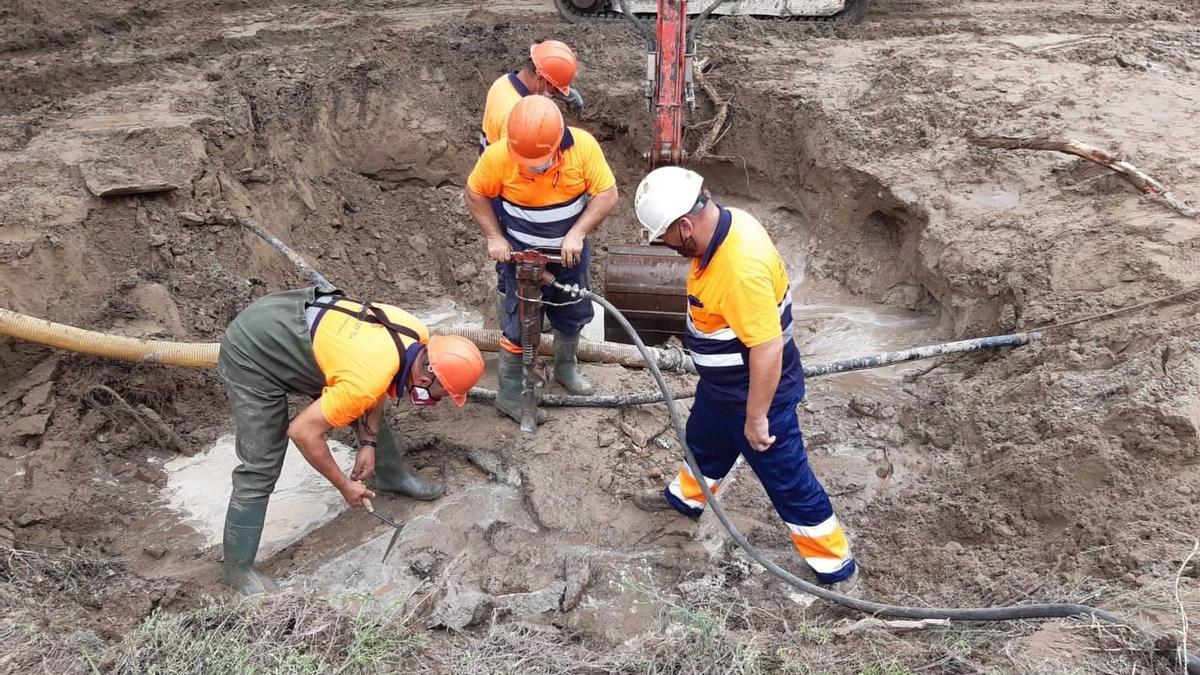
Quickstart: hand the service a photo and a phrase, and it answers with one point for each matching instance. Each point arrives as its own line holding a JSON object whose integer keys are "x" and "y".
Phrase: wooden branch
{"x": 714, "y": 134}
{"x": 1143, "y": 182}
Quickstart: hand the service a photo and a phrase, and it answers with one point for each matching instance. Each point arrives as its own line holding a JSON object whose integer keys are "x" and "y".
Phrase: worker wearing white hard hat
{"x": 739, "y": 332}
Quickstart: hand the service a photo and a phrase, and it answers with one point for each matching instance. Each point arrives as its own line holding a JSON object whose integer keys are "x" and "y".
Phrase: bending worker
{"x": 352, "y": 357}
{"x": 549, "y": 70}
{"x": 739, "y": 332}
{"x": 553, "y": 188}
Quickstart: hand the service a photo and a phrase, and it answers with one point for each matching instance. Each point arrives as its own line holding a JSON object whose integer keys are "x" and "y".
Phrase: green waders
{"x": 267, "y": 354}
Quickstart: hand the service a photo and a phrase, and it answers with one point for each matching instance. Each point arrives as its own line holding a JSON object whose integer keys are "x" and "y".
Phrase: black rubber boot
{"x": 508, "y": 394}
{"x": 393, "y": 475}
{"x": 243, "y": 530}
{"x": 566, "y": 365}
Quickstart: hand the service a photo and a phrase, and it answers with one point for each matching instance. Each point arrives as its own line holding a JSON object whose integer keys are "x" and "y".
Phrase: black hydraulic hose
{"x": 690, "y": 43}
{"x": 1004, "y": 613}
{"x": 878, "y": 360}
{"x": 645, "y": 32}
{"x": 302, "y": 265}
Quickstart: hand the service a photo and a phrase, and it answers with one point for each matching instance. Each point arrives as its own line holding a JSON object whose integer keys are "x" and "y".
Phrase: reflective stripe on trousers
{"x": 715, "y": 434}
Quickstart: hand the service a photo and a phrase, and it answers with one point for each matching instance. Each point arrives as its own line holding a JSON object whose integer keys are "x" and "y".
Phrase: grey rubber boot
{"x": 508, "y": 394}
{"x": 566, "y": 366}
{"x": 243, "y": 530}
{"x": 393, "y": 475}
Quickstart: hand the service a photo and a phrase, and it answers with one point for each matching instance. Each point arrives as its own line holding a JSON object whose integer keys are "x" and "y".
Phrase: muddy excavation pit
{"x": 1060, "y": 471}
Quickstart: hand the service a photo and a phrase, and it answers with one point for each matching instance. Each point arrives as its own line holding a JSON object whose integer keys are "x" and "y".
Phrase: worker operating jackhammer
{"x": 549, "y": 71}
{"x": 554, "y": 188}
{"x": 351, "y": 356}
{"x": 739, "y": 331}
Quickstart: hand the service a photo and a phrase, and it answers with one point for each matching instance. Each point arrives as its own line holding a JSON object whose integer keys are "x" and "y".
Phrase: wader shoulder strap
{"x": 371, "y": 314}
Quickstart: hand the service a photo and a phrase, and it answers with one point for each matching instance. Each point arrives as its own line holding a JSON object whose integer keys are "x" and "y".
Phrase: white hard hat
{"x": 664, "y": 195}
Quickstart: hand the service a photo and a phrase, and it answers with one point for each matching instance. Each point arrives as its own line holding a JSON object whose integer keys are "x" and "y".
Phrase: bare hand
{"x": 758, "y": 432}
{"x": 499, "y": 249}
{"x": 354, "y": 492}
{"x": 364, "y": 463}
{"x": 572, "y": 249}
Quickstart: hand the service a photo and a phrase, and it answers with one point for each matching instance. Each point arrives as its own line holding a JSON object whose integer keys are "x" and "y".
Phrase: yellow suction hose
{"x": 193, "y": 355}
{"x": 204, "y": 354}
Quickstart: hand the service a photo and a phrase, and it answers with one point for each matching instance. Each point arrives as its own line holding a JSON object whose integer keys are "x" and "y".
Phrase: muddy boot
{"x": 393, "y": 475}
{"x": 566, "y": 366}
{"x": 652, "y": 500}
{"x": 845, "y": 586}
{"x": 243, "y": 530}
{"x": 508, "y": 396}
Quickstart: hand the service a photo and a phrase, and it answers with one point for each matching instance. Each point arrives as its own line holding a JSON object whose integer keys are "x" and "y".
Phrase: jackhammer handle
{"x": 550, "y": 257}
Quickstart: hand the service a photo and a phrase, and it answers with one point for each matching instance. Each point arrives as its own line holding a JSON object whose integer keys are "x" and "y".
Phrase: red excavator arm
{"x": 669, "y": 71}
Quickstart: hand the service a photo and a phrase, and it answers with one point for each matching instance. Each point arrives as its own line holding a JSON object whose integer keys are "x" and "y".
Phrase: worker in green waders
{"x": 351, "y": 357}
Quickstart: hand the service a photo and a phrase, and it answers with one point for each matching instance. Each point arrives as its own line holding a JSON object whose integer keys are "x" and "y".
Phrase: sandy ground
{"x": 1066, "y": 470}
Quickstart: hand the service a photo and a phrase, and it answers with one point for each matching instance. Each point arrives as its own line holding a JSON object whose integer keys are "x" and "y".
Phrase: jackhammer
{"x": 531, "y": 276}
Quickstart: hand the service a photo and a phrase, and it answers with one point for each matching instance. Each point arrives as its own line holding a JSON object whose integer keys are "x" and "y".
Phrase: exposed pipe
{"x": 668, "y": 358}
{"x": 880, "y": 360}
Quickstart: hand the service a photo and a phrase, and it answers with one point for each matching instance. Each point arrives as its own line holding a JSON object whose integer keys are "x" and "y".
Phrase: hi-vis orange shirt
{"x": 360, "y": 359}
{"x": 537, "y": 210}
{"x": 503, "y": 96}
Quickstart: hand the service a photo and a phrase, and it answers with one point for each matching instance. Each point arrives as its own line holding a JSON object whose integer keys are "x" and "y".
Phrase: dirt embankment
{"x": 1064, "y": 470}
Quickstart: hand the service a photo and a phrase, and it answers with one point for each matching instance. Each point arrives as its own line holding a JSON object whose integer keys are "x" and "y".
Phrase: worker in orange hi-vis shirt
{"x": 553, "y": 187}
{"x": 351, "y": 357}
{"x": 549, "y": 71}
{"x": 739, "y": 332}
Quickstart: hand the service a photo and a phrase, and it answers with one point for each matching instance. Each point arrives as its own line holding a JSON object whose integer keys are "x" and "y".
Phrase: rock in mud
{"x": 156, "y": 552}
{"x": 465, "y": 272}
{"x": 106, "y": 178}
{"x": 537, "y": 602}
{"x": 495, "y": 467}
{"x": 578, "y": 574}
{"x": 868, "y": 408}
{"x": 30, "y": 425}
{"x": 191, "y": 217}
{"x": 460, "y": 607}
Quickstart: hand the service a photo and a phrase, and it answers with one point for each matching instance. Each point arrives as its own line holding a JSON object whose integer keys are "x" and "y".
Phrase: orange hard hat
{"x": 535, "y": 130}
{"x": 456, "y": 362}
{"x": 554, "y": 61}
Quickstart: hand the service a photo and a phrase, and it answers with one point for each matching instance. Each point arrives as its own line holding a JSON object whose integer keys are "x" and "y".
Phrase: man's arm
{"x": 308, "y": 431}
{"x": 766, "y": 363}
{"x": 597, "y": 210}
{"x": 366, "y": 430}
{"x": 481, "y": 210}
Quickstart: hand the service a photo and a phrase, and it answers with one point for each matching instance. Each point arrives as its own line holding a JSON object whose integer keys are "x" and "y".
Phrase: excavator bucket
{"x": 647, "y": 283}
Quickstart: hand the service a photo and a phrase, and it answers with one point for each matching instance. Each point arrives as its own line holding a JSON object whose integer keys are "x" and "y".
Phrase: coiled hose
{"x": 1004, "y": 613}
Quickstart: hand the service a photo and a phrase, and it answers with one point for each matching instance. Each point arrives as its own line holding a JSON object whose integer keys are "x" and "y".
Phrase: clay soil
{"x": 1067, "y": 470}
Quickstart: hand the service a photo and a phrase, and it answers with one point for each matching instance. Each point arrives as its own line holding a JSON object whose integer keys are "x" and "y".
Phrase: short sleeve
{"x": 487, "y": 178}
{"x": 750, "y": 307}
{"x": 597, "y": 175}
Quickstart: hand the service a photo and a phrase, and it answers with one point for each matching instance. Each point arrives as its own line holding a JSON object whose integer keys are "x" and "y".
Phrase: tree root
{"x": 1142, "y": 181}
